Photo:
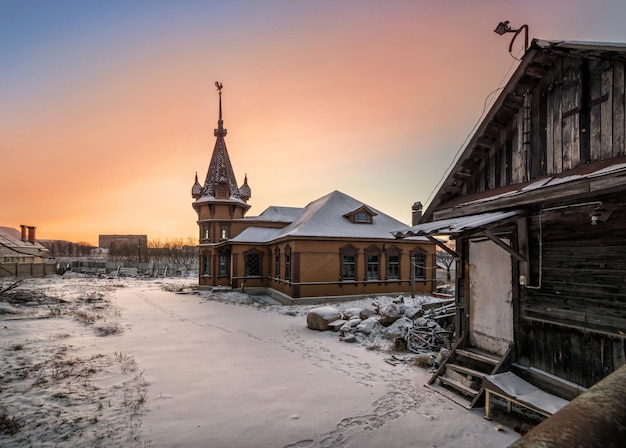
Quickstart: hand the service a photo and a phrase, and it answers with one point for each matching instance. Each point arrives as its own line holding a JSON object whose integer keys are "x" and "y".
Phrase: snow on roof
{"x": 209, "y": 198}
{"x": 278, "y": 214}
{"x": 11, "y": 244}
{"x": 454, "y": 226}
{"x": 581, "y": 45}
{"x": 324, "y": 217}
{"x": 257, "y": 235}
{"x": 553, "y": 181}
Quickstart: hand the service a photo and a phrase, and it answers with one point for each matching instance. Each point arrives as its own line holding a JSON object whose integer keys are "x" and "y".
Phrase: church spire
{"x": 220, "y": 131}
{"x": 220, "y": 182}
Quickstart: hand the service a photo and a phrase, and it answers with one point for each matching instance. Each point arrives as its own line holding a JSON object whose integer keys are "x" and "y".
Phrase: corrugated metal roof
{"x": 454, "y": 226}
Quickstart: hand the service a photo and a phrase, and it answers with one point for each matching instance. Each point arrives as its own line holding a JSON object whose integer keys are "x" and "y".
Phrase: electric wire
{"x": 471, "y": 132}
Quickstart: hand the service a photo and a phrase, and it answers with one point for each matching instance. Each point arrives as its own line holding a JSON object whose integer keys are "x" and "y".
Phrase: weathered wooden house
{"x": 21, "y": 255}
{"x": 335, "y": 246}
{"x": 537, "y": 205}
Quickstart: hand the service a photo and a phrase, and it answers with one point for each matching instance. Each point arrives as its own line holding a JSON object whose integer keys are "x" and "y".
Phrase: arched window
{"x": 277, "y": 263}
{"x": 253, "y": 263}
{"x": 288, "y": 262}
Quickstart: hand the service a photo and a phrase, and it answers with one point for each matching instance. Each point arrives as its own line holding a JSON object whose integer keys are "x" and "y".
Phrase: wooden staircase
{"x": 460, "y": 375}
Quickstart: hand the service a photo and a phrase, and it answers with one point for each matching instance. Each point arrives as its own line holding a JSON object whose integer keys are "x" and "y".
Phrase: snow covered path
{"x": 225, "y": 375}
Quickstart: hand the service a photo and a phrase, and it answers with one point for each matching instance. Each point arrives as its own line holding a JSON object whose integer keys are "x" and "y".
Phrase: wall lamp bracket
{"x": 504, "y": 27}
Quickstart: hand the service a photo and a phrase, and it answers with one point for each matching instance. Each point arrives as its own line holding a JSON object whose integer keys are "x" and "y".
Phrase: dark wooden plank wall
{"x": 574, "y": 326}
{"x": 578, "y": 116}
{"x": 585, "y": 112}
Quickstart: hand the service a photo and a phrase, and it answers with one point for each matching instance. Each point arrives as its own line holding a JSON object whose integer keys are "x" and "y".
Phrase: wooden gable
{"x": 563, "y": 109}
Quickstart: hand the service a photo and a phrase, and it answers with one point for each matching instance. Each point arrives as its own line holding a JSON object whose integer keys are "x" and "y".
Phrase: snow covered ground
{"x": 154, "y": 363}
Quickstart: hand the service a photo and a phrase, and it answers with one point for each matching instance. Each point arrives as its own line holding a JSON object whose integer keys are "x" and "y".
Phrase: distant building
{"x": 125, "y": 245}
{"x": 62, "y": 248}
{"x": 21, "y": 255}
{"x": 335, "y": 246}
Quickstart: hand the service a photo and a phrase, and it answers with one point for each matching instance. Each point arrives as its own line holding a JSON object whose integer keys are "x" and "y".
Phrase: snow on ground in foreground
{"x": 138, "y": 363}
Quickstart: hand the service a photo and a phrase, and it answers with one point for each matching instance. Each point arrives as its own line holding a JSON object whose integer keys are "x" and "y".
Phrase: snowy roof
{"x": 604, "y": 168}
{"x": 324, "y": 217}
{"x": 278, "y": 214}
{"x": 454, "y": 226}
{"x": 11, "y": 244}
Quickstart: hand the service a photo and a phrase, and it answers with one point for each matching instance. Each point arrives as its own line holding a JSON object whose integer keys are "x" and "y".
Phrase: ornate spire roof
{"x": 244, "y": 190}
{"x": 220, "y": 181}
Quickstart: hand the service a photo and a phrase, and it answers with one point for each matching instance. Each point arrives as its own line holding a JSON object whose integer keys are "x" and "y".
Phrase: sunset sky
{"x": 107, "y": 108}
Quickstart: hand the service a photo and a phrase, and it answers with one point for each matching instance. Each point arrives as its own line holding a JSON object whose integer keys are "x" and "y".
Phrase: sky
{"x": 107, "y": 108}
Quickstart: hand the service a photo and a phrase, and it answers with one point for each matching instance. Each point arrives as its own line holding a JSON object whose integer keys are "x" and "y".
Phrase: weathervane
{"x": 219, "y": 87}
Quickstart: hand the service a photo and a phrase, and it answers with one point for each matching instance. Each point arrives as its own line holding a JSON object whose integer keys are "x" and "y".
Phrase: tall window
{"x": 253, "y": 263}
{"x": 419, "y": 265}
{"x": 206, "y": 264}
{"x": 348, "y": 256}
{"x": 393, "y": 262}
{"x": 372, "y": 257}
{"x": 223, "y": 265}
{"x": 349, "y": 267}
{"x": 288, "y": 263}
{"x": 277, "y": 263}
{"x": 372, "y": 267}
{"x": 393, "y": 267}
{"x": 224, "y": 231}
{"x": 205, "y": 232}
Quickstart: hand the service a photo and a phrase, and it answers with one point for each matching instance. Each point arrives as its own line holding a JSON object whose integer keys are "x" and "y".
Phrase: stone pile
{"x": 395, "y": 321}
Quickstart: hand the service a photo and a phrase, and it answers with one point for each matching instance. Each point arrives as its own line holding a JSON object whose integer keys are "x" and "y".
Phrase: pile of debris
{"x": 421, "y": 328}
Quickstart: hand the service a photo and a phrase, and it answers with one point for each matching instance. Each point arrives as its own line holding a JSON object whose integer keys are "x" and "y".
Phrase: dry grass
{"x": 9, "y": 425}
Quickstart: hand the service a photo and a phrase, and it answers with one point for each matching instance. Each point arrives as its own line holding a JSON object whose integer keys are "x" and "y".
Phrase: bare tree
{"x": 446, "y": 259}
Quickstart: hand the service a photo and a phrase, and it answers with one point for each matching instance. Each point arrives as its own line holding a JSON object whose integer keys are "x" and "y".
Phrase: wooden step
{"x": 478, "y": 356}
{"x": 458, "y": 386}
{"x": 467, "y": 370}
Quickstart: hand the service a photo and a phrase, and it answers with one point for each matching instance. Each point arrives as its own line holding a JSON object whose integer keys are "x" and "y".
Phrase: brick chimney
{"x": 31, "y": 234}
{"x": 417, "y": 213}
{"x": 24, "y": 235}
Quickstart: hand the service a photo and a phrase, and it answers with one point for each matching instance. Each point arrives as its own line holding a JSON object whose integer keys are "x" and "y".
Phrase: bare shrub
{"x": 108, "y": 329}
{"x": 9, "y": 425}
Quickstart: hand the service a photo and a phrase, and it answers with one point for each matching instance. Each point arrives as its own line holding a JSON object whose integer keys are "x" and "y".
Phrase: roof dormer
{"x": 362, "y": 215}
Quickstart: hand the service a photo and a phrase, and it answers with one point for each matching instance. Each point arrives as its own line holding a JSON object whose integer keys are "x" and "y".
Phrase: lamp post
{"x": 504, "y": 27}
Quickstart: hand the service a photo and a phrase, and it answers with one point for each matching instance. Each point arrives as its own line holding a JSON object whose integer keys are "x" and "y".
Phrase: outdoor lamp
{"x": 504, "y": 27}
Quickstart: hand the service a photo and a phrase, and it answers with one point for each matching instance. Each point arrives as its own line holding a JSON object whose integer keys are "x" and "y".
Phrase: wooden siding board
{"x": 618, "y": 109}
{"x": 518, "y": 158}
{"x": 556, "y": 118}
{"x": 606, "y": 114}
{"x": 595, "y": 118}
{"x": 549, "y": 123}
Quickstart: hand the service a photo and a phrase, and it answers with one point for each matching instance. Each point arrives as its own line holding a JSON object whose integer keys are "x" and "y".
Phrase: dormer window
{"x": 362, "y": 215}
{"x": 222, "y": 191}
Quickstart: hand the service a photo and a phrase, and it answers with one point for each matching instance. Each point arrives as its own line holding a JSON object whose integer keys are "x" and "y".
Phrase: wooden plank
{"x": 568, "y": 104}
{"x": 619, "y": 124}
{"x": 619, "y": 355}
{"x": 458, "y": 386}
{"x": 606, "y": 114}
{"x": 482, "y": 357}
{"x": 550, "y": 99}
{"x": 556, "y": 118}
{"x": 467, "y": 370}
{"x": 576, "y": 375}
{"x": 595, "y": 117}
